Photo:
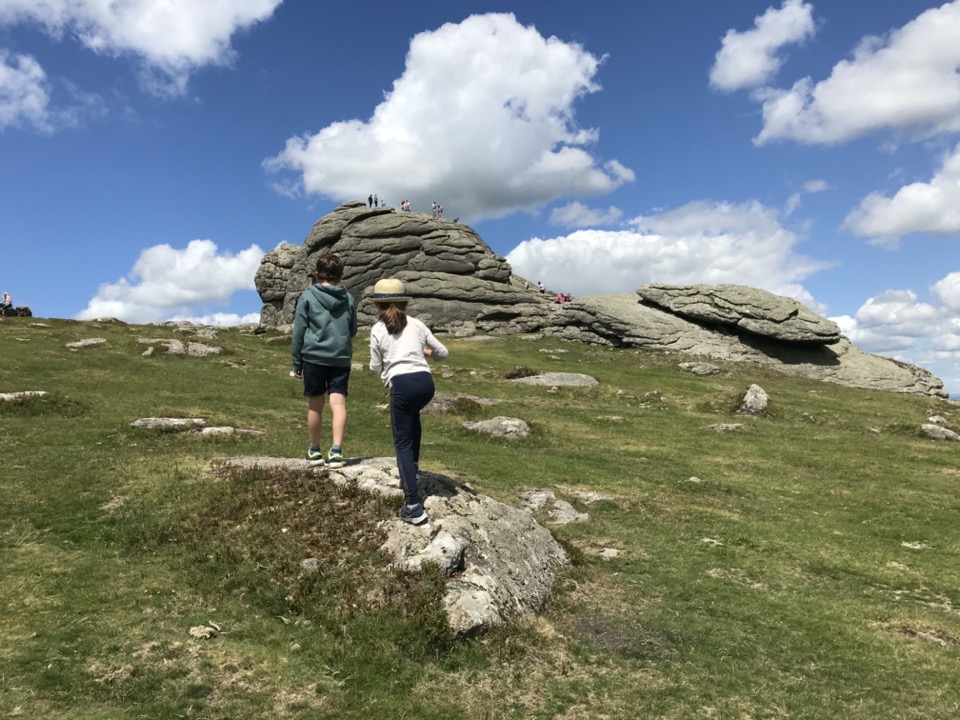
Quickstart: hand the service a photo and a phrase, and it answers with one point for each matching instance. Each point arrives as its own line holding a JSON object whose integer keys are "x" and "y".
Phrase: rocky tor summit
{"x": 459, "y": 285}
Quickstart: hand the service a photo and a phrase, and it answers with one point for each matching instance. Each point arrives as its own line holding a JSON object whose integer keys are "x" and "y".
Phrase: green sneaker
{"x": 315, "y": 459}
{"x": 335, "y": 459}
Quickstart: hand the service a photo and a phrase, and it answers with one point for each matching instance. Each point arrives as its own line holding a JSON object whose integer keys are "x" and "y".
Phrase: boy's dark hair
{"x": 329, "y": 268}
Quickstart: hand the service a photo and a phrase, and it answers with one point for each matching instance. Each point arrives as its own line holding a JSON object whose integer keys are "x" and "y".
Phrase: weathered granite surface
{"x": 620, "y": 321}
{"x": 746, "y": 308}
{"x": 451, "y": 273}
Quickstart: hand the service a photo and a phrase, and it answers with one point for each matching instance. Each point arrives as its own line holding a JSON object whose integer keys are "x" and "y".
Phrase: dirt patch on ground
{"x": 924, "y": 632}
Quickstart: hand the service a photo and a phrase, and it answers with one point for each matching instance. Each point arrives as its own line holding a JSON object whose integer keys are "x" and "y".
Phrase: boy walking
{"x": 324, "y": 323}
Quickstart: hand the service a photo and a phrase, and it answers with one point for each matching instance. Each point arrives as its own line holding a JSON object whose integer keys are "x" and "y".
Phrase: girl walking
{"x": 399, "y": 347}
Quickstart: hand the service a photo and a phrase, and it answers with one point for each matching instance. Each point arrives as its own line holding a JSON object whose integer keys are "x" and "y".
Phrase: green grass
{"x": 805, "y": 566}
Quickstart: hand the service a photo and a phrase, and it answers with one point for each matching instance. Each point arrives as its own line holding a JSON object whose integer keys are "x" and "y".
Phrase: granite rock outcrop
{"x": 459, "y": 285}
{"x": 450, "y": 272}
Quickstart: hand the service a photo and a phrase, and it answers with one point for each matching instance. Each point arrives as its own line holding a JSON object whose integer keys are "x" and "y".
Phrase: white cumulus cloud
{"x": 171, "y": 37}
{"x": 219, "y": 319}
{"x": 701, "y": 242}
{"x": 906, "y": 81}
{"x": 918, "y": 207}
{"x": 750, "y": 58}
{"x": 947, "y": 291}
{"x": 166, "y": 282}
{"x": 576, "y": 214}
{"x": 896, "y": 323}
{"x": 481, "y": 121}
{"x": 24, "y": 92}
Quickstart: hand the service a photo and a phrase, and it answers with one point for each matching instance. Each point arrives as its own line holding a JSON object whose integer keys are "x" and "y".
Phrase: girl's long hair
{"x": 394, "y": 317}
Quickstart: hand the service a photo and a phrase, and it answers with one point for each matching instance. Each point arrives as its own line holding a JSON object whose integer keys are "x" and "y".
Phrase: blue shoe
{"x": 335, "y": 459}
{"x": 315, "y": 459}
{"x": 413, "y": 514}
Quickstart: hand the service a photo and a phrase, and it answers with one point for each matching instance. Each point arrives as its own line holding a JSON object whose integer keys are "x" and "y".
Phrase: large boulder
{"x": 450, "y": 272}
{"x": 745, "y": 308}
{"x": 622, "y": 321}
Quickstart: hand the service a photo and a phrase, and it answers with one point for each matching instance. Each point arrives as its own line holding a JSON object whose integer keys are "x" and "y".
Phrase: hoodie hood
{"x": 333, "y": 298}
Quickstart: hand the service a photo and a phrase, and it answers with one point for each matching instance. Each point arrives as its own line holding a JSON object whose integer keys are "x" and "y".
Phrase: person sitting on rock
{"x": 560, "y": 299}
{"x": 567, "y": 297}
{"x": 6, "y": 303}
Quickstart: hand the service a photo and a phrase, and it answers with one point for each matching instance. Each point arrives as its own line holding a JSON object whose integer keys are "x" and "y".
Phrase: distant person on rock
{"x": 370, "y": 200}
{"x": 399, "y": 348}
{"x": 567, "y": 297}
{"x": 323, "y": 325}
{"x": 375, "y": 203}
{"x": 540, "y": 287}
{"x": 6, "y": 303}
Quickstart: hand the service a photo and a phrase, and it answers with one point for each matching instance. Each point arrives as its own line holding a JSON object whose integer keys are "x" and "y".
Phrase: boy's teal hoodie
{"x": 325, "y": 320}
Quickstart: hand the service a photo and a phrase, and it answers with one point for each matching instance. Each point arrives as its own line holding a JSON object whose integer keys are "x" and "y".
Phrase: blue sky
{"x": 151, "y": 152}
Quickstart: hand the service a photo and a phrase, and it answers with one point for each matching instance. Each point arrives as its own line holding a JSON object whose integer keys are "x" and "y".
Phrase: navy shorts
{"x": 323, "y": 379}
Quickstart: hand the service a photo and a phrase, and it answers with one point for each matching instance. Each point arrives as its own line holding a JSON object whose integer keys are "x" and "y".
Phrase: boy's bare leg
{"x": 315, "y": 419}
{"x": 338, "y": 408}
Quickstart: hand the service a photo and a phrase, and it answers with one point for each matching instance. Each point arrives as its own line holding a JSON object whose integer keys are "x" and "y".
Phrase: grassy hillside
{"x": 806, "y": 566}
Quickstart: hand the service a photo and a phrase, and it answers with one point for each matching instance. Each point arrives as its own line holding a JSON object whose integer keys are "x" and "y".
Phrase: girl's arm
{"x": 437, "y": 350}
{"x": 376, "y": 354}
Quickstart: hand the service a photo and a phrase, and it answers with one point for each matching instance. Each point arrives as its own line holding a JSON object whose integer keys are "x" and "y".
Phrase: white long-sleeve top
{"x": 399, "y": 354}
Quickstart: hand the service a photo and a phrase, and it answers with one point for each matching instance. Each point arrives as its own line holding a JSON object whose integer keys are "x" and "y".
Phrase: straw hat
{"x": 389, "y": 290}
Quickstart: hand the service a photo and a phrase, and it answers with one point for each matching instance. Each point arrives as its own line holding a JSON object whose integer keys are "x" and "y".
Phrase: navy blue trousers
{"x": 409, "y": 394}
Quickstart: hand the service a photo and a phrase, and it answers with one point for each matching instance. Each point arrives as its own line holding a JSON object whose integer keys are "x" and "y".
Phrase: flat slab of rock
{"x": 500, "y": 426}
{"x": 10, "y": 397}
{"x": 939, "y": 433}
{"x": 750, "y": 309}
{"x": 87, "y": 342}
{"x": 226, "y": 430}
{"x": 559, "y": 511}
{"x": 557, "y": 379}
{"x": 587, "y": 496}
{"x": 726, "y": 427}
{"x": 158, "y": 423}
{"x": 179, "y": 347}
{"x": 699, "y": 368}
